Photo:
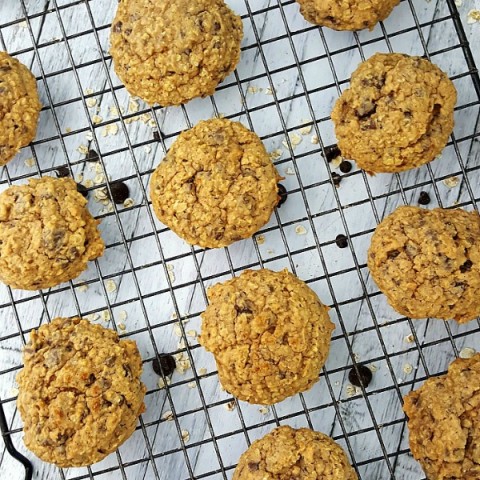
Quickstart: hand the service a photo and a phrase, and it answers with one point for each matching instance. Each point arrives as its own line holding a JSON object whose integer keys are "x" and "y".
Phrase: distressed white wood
{"x": 300, "y": 170}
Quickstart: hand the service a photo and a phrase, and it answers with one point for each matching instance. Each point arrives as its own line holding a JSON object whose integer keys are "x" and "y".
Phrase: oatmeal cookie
{"x": 396, "y": 115}
{"x": 346, "y": 14}
{"x": 19, "y": 107}
{"x": 170, "y": 52}
{"x": 47, "y": 235}
{"x": 269, "y": 333}
{"x": 80, "y": 393}
{"x": 443, "y": 420}
{"x": 216, "y": 185}
{"x": 286, "y": 453}
{"x": 427, "y": 262}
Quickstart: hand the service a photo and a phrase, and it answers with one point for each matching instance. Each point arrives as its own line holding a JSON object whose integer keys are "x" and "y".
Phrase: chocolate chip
{"x": 253, "y": 466}
{"x": 341, "y": 241}
{"x": 120, "y": 192}
{"x": 156, "y": 135}
{"x": 424, "y": 198}
{"x": 393, "y": 254}
{"x": 5, "y": 68}
{"x": 332, "y": 152}
{"x": 63, "y": 172}
{"x": 92, "y": 156}
{"x": 117, "y": 28}
{"x": 366, "y": 109}
{"x": 282, "y": 193}
{"x": 360, "y": 375}
{"x": 466, "y": 266}
{"x": 82, "y": 189}
{"x": 345, "y": 166}
{"x": 216, "y": 27}
{"x": 336, "y": 179}
{"x": 164, "y": 363}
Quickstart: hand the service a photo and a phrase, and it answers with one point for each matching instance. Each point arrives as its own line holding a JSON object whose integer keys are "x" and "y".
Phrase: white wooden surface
{"x": 380, "y": 340}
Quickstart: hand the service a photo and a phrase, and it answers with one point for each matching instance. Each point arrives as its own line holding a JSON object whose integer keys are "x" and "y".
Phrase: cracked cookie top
{"x": 443, "y": 420}
{"x": 47, "y": 235}
{"x": 19, "y": 107}
{"x": 269, "y": 333}
{"x": 396, "y": 115}
{"x": 170, "y": 52}
{"x": 216, "y": 185}
{"x": 427, "y": 262}
{"x": 289, "y": 454}
{"x": 80, "y": 392}
{"x": 346, "y": 14}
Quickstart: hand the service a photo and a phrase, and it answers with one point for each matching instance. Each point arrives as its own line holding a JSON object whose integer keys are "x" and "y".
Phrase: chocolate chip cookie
{"x": 19, "y": 107}
{"x": 80, "y": 392}
{"x": 443, "y": 419}
{"x": 47, "y": 235}
{"x": 346, "y": 14}
{"x": 170, "y": 52}
{"x": 216, "y": 185}
{"x": 286, "y": 453}
{"x": 396, "y": 115}
{"x": 427, "y": 262}
{"x": 269, "y": 333}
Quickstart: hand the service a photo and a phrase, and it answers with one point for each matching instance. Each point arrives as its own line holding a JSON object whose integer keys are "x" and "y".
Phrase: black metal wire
{"x": 398, "y": 189}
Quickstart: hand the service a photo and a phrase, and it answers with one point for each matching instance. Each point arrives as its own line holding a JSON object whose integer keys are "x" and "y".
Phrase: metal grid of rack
{"x": 290, "y": 74}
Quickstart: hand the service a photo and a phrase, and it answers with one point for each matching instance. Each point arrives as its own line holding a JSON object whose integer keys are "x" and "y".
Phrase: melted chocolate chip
{"x": 117, "y": 28}
{"x": 62, "y": 172}
{"x": 164, "y": 363}
{"x": 156, "y": 135}
{"x": 120, "y": 192}
{"x": 466, "y": 266}
{"x": 424, "y": 198}
{"x": 282, "y": 193}
{"x": 393, "y": 254}
{"x": 361, "y": 375}
{"x": 336, "y": 179}
{"x": 92, "y": 156}
{"x": 345, "y": 166}
{"x": 82, "y": 189}
{"x": 332, "y": 152}
{"x": 341, "y": 241}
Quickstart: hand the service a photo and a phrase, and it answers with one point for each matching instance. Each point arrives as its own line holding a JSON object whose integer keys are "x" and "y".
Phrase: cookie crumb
{"x": 306, "y": 130}
{"x": 83, "y": 287}
{"x": 373, "y": 368}
{"x": 147, "y": 148}
{"x": 467, "y": 352}
{"x": 351, "y": 390}
{"x": 13, "y": 392}
{"x": 202, "y": 371}
{"x": 276, "y": 154}
{"x": 192, "y": 385}
{"x": 185, "y": 436}
{"x": 191, "y": 333}
{"x": 133, "y": 106}
{"x": 111, "y": 129}
{"x": 407, "y": 369}
{"x": 260, "y": 239}
{"x": 91, "y": 102}
{"x": 128, "y": 203}
{"x": 92, "y": 317}
{"x": 161, "y": 384}
{"x": 230, "y": 406}
{"x": 29, "y": 162}
{"x": 289, "y": 171}
{"x": 177, "y": 330}
{"x": 83, "y": 149}
{"x": 300, "y": 230}
{"x": 409, "y": 338}
{"x": 105, "y": 314}
{"x": 268, "y": 91}
{"x": 122, "y": 315}
{"x": 89, "y": 136}
{"x": 96, "y": 119}
{"x": 122, "y": 327}
{"x": 253, "y": 89}
{"x": 473, "y": 16}
{"x": 314, "y": 139}
{"x": 451, "y": 182}
{"x": 110, "y": 286}
{"x": 458, "y": 3}
{"x": 168, "y": 416}
{"x": 263, "y": 410}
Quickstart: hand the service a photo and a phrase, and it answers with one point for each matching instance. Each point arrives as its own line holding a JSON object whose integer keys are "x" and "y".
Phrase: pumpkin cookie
{"x": 396, "y": 115}
{"x": 427, "y": 262}
{"x": 47, "y": 235}
{"x": 216, "y": 185}
{"x": 270, "y": 335}
{"x": 346, "y": 14}
{"x": 80, "y": 392}
{"x": 170, "y": 52}
{"x": 443, "y": 420}
{"x": 19, "y": 107}
{"x": 286, "y": 453}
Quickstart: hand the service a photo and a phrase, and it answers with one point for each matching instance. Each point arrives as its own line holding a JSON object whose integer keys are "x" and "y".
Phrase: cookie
{"x": 216, "y": 185}
{"x": 346, "y": 14}
{"x": 286, "y": 453}
{"x": 170, "y": 52}
{"x": 427, "y": 262}
{"x": 444, "y": 425}
{"x": 269, "y": 333}
{"x": 47, "y": 235}
{"x": 19, "y": 107}
{"x": 396, "y": 115}
{"x": 80, "y": 392}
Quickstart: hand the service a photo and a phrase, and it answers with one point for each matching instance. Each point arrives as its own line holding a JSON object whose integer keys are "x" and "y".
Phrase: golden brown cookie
{"x": 396, "y": 115}
{"x": 80, "y": 392}
{"x": 427, "y": 262}
{"x": 444, "y": 424}
{"x": 19, "y": 107}
{"x": 216, "y": 185}
{"x": 269, "y": 333}
{"x": 346, "y": 14}
{"x": 286, "y": 454}
{"x": 47, "y": 235}
{"x": 170, "y": 52}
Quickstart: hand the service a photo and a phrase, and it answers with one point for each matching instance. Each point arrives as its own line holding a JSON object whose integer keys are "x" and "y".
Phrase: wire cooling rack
{"x": 150, "y": 286}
